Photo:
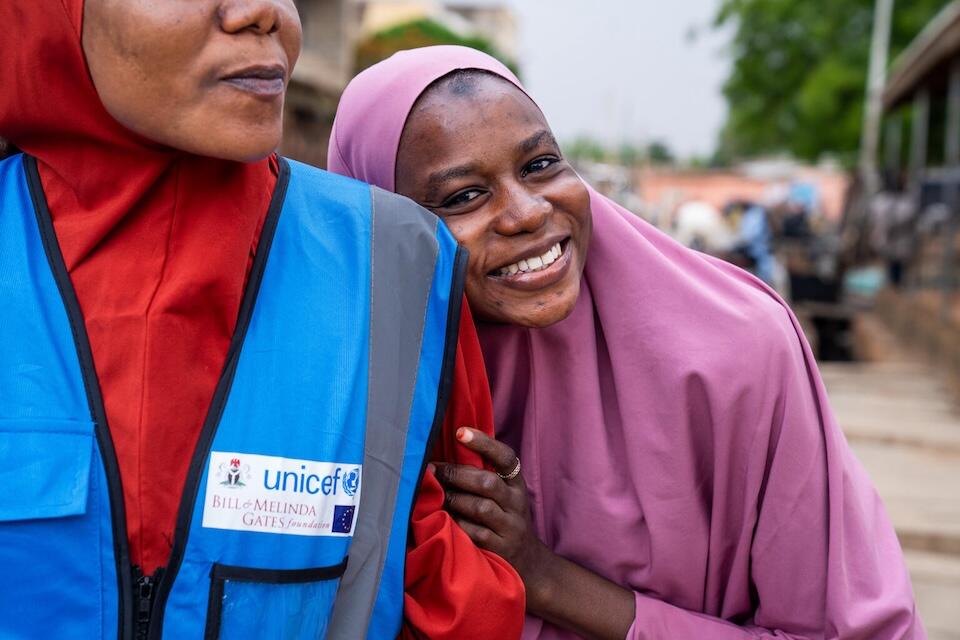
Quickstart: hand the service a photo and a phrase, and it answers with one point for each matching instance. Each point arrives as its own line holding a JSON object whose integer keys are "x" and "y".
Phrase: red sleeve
{"x": 453, "y": 589}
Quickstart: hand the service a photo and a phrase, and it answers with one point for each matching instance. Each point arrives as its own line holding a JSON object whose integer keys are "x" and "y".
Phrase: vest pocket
{"x": 44, "y": 469}
{"x": 281, "y": 604}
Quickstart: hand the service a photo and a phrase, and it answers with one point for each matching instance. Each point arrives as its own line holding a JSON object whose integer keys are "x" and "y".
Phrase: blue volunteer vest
{"x": 294, "y": 517}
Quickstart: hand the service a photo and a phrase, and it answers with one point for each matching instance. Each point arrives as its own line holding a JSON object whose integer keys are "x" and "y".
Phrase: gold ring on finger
{"x": 513, "y": 474}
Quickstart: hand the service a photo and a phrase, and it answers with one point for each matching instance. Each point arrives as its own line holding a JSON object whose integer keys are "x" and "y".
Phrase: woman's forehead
{"x": 484, "y": 137}
{"x": 470, "y": 85}
{"x": 490, "y": 104}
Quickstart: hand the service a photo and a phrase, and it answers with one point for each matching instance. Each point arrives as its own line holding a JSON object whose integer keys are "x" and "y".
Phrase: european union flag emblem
{"x": 342, "y": 519}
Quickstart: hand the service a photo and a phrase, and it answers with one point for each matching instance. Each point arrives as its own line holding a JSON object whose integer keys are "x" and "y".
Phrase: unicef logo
{"x": 351, "y": 482}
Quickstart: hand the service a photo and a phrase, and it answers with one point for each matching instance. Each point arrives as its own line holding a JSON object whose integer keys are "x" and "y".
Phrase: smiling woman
{"x": 683, "y": 475}
{"x": 479, "y": 153}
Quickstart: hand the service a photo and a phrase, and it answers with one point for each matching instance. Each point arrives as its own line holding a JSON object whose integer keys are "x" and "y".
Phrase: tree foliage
{"x": 419, "y": 33}
{"x": 659, "y": 153}
{"x": 585, "y": 148}
{"x": 799, "y": 72}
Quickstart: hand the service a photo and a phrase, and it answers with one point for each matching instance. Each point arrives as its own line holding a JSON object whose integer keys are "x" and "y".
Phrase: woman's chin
{"x": 547, "y": 317}
{"x": 242, "y": 152}
{"x": 224, "y": 143}
{"x": 532, "y": 315}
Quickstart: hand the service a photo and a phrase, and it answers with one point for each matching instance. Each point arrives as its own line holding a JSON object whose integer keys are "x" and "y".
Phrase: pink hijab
{"x": 674, "y": 430}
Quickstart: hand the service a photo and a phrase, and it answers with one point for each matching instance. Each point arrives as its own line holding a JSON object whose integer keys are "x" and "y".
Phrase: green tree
{"x": 630, "y": 155}
{"x": 585, "y": 148}
{"x": 660, "y": 153}
{"x": 799, "y": 72}
{"x": 419, "y": 33}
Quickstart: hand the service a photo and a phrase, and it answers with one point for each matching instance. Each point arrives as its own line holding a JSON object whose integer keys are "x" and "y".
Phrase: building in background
{"x": 922, "y": 164}
{"x": 662, "y": 189}
{"x": 330, "y": 32}
{"x": 494, "y": 23}
{"x": 913, "y": 224}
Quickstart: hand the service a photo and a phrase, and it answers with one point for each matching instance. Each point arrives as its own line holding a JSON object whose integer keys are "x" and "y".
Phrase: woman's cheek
{"x": 486, "y": 304}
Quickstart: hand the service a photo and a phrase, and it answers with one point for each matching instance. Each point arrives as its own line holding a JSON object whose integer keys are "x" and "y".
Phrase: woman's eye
{"x": 539, "y": 165}
{"x": 461, "y": 198}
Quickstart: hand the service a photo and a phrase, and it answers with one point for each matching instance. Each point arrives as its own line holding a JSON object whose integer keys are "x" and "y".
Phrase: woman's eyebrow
{"x": 436, "y": 179}
{"x": 531, "y": 143}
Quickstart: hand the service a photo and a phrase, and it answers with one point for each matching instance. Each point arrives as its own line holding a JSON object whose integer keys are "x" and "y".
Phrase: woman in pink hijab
{"x": 683, "y": 476}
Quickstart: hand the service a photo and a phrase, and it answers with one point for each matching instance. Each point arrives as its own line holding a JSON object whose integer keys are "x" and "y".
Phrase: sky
{"x": 626, "y": 70}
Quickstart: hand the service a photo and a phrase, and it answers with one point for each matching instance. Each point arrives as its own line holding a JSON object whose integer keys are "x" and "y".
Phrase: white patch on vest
{"x": 249, "y": 492}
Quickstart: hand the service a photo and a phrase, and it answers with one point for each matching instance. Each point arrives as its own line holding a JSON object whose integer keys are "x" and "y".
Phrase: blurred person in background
{"x": 169, "y": 285}
{"x": 683, "y": 475}
{"x": 700, "y": 226}
{"x": 797, "y": 210}
{"x": 893, "y": 217}
{"x": 753, "y": 238}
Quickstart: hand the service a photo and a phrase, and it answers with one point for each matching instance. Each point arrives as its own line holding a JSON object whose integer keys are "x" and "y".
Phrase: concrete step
{"x": 893, "y": 403}
{"x": 921, "y": 491}
{"x": 902, "y": 421}
{"x": 936, "y": 586}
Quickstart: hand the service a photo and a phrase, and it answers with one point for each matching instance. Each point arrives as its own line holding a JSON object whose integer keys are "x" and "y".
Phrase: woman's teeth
{"x": 536, "y": 263}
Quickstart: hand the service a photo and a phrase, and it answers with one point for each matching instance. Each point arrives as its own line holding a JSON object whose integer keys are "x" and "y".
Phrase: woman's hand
{"x": 494, "y": 510}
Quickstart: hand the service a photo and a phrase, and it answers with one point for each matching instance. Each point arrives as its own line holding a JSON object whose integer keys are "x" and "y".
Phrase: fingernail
{"x": 431, "y": 469}
{"x": 464, "y": 434}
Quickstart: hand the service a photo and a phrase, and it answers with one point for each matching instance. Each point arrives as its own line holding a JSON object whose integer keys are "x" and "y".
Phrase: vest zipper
{"x": 163, "y": 584}
{"x": 140, "y": 596}
{"x": 144, "y": 591}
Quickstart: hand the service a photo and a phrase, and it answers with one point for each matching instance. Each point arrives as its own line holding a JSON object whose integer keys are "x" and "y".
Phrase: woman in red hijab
{"x": 153, "y": 144}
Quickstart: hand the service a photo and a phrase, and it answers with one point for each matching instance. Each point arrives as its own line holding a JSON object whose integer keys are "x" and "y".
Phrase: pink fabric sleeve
{"x": 825, "y": 562}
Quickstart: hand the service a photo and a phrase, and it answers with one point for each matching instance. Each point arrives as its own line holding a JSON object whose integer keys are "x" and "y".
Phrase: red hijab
{"x": 157, "y": 243}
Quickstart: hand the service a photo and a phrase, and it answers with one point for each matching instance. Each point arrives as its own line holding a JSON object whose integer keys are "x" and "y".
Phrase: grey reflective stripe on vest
{"x": 403, "y": 258}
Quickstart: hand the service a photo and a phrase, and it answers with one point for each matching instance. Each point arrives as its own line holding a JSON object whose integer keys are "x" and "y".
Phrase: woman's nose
{"x": 525, "y": 212}
{"x": 259, "y": 16}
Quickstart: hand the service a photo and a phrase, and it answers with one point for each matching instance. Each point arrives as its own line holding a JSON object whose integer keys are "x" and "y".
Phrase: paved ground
{"x": 904, "y": 426}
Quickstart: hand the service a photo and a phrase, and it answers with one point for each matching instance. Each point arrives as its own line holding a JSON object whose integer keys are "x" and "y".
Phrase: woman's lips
{"x": 532, "y": 277}
{"x": 261, "y": 81}
{"x": 533, "y": 263}
{"x": 258, "y": 86}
